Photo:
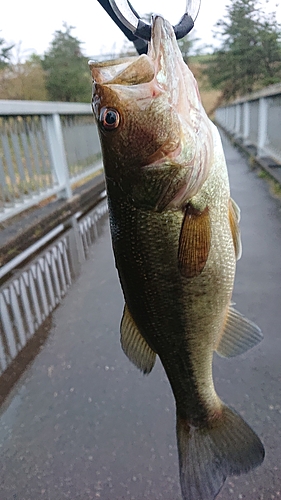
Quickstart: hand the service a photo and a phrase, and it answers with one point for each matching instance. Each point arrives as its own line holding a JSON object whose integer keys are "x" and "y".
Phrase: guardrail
{"x": 255, "y": 120}
{"x": 37, "y": 286}
{"x": 45, "y": 147}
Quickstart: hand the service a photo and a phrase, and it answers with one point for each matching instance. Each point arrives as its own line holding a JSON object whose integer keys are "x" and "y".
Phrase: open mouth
{"x": 158, "y": 63}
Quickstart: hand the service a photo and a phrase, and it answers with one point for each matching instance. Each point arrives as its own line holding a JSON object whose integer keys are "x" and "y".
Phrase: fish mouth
{"x": 161, "y": 64}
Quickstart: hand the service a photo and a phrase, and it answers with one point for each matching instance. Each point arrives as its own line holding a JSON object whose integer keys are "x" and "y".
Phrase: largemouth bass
{"x": 175, "y": 236}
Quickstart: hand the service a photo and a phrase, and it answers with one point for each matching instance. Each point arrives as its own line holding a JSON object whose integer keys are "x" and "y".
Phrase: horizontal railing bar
{"x": 30, "y": 250}
{"x": 270, "y": 91}
{"x": 7, "y": 213}
{"x": 18, "y": 108}
{"x": 26, "y": 204}
{"x": 86, "y": 173}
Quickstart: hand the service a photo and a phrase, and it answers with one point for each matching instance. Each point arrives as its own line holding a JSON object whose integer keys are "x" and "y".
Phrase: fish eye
{"x": 109, "y": 118}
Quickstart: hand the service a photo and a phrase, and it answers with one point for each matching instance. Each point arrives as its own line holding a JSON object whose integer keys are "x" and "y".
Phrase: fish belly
{"x": 179, "y": 318}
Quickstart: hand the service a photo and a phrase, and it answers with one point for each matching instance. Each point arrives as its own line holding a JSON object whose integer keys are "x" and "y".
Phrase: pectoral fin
{"x": 234, "y": 218}
{"x": 194, "y": 242}
{"x": 240, "y": 334}
{"x": 134, "y": 345}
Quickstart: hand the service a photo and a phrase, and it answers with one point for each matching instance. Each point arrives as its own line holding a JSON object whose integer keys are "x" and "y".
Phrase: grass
{"x": 263, "y": 175}
{"x": 274, "y": 186}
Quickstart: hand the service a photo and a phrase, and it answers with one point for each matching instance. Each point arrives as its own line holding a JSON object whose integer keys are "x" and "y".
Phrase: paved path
{"x": 83, "y": 423}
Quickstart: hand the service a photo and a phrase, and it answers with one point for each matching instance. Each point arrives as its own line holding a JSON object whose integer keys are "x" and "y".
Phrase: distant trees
{"x": 67, "y": 75}
{"x": 62, "y": 74}
{"x": 24, "y": 81}
{"x": 249, "y": 58}
{"x": 250, "y": 54}
{"x": 5, "y": 53}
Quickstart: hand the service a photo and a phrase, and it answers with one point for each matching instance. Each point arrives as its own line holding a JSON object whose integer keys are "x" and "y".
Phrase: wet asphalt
{"x": 83, "y": 423}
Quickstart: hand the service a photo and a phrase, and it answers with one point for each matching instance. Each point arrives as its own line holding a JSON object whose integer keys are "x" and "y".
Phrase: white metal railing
{"x": 33, "y": 291}
{"x": 44, "y": 148}
{"x": 256, "y": 120}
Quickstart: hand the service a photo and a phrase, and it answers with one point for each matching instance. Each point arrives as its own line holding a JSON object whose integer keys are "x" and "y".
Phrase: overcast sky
{"x": 33, "y": 23}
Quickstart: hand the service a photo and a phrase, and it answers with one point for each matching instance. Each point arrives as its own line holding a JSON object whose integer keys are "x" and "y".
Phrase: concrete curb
{"x": 17, "y": 237}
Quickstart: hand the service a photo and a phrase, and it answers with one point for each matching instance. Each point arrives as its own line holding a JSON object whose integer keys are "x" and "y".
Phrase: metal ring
{"x": 130, "y": 18}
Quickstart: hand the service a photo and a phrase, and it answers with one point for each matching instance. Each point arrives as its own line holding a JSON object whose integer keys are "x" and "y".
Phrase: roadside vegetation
{"x": 61, "y": 74}
{"x": 247, "y": 58}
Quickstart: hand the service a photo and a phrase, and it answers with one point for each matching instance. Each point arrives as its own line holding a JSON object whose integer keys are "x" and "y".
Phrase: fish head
{"x": 129, "y": 113}
{"x": 155, "y": 136}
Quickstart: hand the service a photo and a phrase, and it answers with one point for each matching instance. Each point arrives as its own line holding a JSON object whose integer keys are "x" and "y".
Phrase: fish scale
{"x": 176, "y": 238}
{"x": 147, "y": 247}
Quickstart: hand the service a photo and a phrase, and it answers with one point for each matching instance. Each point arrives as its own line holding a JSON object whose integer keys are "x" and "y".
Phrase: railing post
{"x": 237, "y": 120}
{"x": 233, "y": 118}
{"x": 246, "y": 122}
{"x": 57, "y": 153}
{"x": 59, "y": 162}
{"x": 262, "y": 130}
{"x": 227, "y": 118}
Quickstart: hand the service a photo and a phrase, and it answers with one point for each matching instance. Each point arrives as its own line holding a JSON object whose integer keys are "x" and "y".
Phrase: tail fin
{"x": 208, "y": 455}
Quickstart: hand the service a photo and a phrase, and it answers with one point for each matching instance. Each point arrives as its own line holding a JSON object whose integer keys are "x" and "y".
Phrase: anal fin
{"x": 194, "y": 242}
{"x": 239, "y": 335}
{"x": 134, "y": 345}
